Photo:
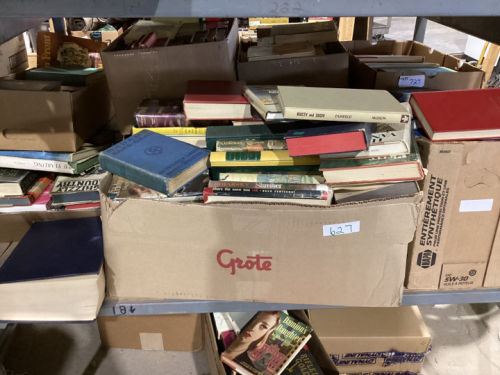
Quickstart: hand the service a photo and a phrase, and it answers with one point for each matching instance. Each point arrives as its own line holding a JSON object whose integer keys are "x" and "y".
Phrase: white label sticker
{"x": 338, "y": 229}
{"x": 412, "y": 81}
{"x": 254, "y": 23}
{"x": 477, "y": 205}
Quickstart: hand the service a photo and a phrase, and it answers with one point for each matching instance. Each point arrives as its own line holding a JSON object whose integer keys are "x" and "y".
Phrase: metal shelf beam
{"x": 160, "y": 307}
{"x": 487, "y": 28}
{"x": 244, "y": 8}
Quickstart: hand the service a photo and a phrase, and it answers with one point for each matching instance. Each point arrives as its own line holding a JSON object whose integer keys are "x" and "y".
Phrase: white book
{"x": 387, "y": 140}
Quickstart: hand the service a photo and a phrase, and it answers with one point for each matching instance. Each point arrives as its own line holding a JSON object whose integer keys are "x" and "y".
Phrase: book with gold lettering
{"x": 267, "y": 344}
{"x": 331, "y": 104}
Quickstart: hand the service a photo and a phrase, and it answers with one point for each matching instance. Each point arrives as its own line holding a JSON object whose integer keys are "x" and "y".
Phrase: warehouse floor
{"x": 466, "y": 340}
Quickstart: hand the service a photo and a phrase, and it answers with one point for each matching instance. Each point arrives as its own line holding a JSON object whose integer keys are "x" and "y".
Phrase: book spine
{"x": 251, "y": 145}
{"x": 176, "y": 130}
{"x": 36, "y": 165}
{"x": 160, "y": 120}
{"x": 41, "y": 155}
{"x": 255, "y": 102}
{"x": 264, "y": 185}
{"x": 270, "y": 193}
{"x": 28, "y": 182}
{"x": 134, "y": 174}
{"x": 350, "y": 116}
{"x": 39, "y": 188}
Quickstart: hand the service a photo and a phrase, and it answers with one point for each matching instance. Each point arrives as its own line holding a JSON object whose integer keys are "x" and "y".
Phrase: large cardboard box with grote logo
{"x": 258, "y": 252}
{"x": 459, "y": 215}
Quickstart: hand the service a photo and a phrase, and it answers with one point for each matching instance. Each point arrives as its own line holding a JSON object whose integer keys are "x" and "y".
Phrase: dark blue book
{"x": 54, "y": 273}
{"x": 156, "y": 161}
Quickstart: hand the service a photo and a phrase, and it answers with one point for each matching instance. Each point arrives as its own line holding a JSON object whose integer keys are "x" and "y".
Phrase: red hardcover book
{"x": 329, "y": 139}
{"x": 216, "y": 100}
{"x": 458, "y": 115}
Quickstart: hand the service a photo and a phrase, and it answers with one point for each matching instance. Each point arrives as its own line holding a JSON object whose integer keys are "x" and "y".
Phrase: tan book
{"x": 347, "y": 105}
{"x": 281, "y": 51}
{"x": 314, "y": 38}
{"x": 390, "y": 58}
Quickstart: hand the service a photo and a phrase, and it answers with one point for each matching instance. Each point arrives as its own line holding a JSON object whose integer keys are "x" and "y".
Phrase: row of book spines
{"x": 266, "y": 193}
{"x": 265, "y": 185}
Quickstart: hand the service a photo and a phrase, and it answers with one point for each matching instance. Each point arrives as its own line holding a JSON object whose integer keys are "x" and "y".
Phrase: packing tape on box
{"x": 151, "y": 341}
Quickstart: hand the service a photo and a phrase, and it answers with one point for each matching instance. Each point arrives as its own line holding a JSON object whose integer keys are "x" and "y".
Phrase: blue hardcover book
{"x": 156, "y": 161}
{"x": 55, "y": 273}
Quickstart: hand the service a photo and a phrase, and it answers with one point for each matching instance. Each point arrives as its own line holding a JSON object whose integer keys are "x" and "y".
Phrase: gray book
{"x": 345, "y": 195}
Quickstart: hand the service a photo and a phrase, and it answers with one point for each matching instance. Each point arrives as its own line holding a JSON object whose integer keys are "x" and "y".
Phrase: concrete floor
{"x": 465, "y": 342}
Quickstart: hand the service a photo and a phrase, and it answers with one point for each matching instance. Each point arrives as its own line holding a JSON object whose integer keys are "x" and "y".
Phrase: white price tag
{"x": 338, "y": 229}
{"x": 412, "y": 81}
{"x": 476, "y": 205}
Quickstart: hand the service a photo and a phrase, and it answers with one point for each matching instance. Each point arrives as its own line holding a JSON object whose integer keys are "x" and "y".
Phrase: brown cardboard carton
{"x": 314, "y": 345}
{"x": 373, "y": 339}
{"x": 13, "y": 56}
{"x": 459, "y": 215}
{"x": 173, "y": 332}
{"x": 492, "y": 278}
{"x": 53, "y": 121}
{"x": 163, "y": 72}
{"x": 257, "y": 252}
{"x": 331, "y": 70}
{"x": 104, "y": 36}
{"x": 14, "y": 226}
{"x": 469, "y": 77}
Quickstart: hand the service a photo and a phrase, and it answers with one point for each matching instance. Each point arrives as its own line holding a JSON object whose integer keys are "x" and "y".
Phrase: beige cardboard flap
{"x": 151, "y": 341}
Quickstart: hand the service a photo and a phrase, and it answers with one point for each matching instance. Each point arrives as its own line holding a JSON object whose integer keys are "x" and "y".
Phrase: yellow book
{"x": 173, "y": 131}
{"x": 256, "y": 22}
{"x": 259, "y": 158}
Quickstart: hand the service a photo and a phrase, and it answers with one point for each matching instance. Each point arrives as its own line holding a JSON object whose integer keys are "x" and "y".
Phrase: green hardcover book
{"x": 256, "y": 132}
{"x": 83, "y": 165}
{"x": 267, "y": 344}
{"x": 374, "y": 170}
{"x": 68, "y": 76}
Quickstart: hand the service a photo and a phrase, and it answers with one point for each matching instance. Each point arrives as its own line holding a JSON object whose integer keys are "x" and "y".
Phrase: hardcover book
{"x": 31, "y": 195}
{"x": 331, "y": 104}
{"x": 155, "y": 161}
{"x": 374, "y": 170}
{"x": 86, "y": 151}
{"x": 459, "y": 114}
{"x": 386, "y": 140}
{"x": 285, "y": 178}
{"x": 265, "y": 185}
{"x": 329, "y": 139}
{"x": 265, "y": 100}
{"x": 46, "y": 165}
{"x": 356, "y": 193}
{"x": 67, "y": 76}
{"x": 303, "y": 363}
{"x": 16, "y": 182}
{"x": 216, "y": 100}
{"x": 267, "y": 344}
{"x": 153, "y": 113}
{"x": 68, "y": 190}
{"x": 55, "y": 273}
{"x": 250, "y": 145}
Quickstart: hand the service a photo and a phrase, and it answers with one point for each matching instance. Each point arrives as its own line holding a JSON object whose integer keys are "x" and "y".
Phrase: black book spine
{"x": 28, "y": 182}
{"x": 269, "y": 193}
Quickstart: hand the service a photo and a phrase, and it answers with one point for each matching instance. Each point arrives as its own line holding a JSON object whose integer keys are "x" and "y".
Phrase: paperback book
{"x": 16, "y": 182}
{"x": 265, "y": 100}
{"x": 41, "y": 204}
{"x": 267, "y": 344}
{"x": 284, "y": 178}
{"x": 31, "y": 195}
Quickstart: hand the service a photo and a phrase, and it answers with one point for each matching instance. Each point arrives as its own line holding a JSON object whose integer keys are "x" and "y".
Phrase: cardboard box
{"x": 469, "y": 77}
{"x": 173, "y": 332}
{"x": 278, "y": 253}
{"x": 163, "y": 72}
{"x": 459, "y": 215}
{"x": 53, "y": 121}
{"x": 492, "y": 278}
{"x": 373, "y": 339}
{"x": 331, "y": 70}
{"x": 14, "y": 226}
{"x": 314, "y": 345}
{"x": 101, "y": 36}
{"x": 13, "y": 56}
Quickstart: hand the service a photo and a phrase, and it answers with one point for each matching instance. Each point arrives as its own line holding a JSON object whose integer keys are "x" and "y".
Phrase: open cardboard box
{"x": 163, "y": 72}
{"x": 314, "y": 345}
{"x": 57, "y": 121}
{"x": 13, "y": 56}
{"x": 280, "y": 253}
{"x": 330, "y": 70}
{"x": 468, "y": 76}
{"x": 459, "y": 216}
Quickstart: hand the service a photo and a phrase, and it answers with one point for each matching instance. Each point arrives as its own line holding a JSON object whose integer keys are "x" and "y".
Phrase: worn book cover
{"x": 267, "y": 344}
{"x": 16, "y": 181}
{"x": 264, "y": 98}
{"x": 153, "y": 113}
{"x": 260, "y": 158}
{"x": 250, "y": 145}
{"x": 329, "y": 139}
{"x": 161, "y": 163}
{"x": 31, "y": 195}
{"x": 265, "y": 185}
{"x": 48, "y": 165}
{"x": 284, "y": 178}
{"x": 333, "y": 104}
